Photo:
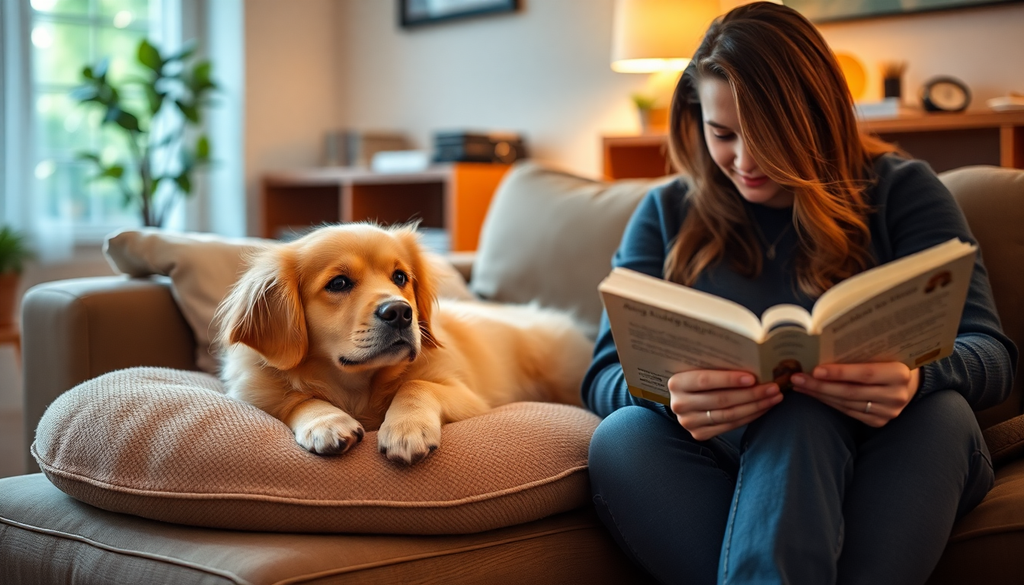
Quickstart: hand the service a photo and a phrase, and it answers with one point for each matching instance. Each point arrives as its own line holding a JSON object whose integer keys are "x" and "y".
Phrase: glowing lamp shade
{"x": 658, "y": 35}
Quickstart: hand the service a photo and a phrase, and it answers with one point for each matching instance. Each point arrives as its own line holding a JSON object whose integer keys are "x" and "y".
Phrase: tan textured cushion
{"x": 167, "y": 445}
{"x": 203, "y": 267}
{"x": 549, "y": 237}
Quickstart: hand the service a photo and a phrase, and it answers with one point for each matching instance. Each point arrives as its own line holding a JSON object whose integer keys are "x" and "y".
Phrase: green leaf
{"x": 149, "y": 56}
{"x": 84, "y": 155}
{"x": 127, "y": 121}
{"x": 203, "y": 148}
{"x": 87, "y": 72}
{"x": 113, "y": 171}
{"x": 189, "y": 110}
{"x": 155, "y": 98}
{"x": 184, "y": 183}
{"x": 201, "y": 74}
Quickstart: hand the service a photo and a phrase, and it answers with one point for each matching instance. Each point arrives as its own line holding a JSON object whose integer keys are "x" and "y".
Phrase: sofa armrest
{"x": 1005, "y": 440}
{"x": 74, "y": 330}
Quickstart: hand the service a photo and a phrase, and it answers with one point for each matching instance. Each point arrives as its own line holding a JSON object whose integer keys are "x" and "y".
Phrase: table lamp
{"x": 658, "y": 37}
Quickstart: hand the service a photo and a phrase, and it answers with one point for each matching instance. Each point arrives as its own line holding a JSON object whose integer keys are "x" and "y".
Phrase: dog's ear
{"x": 423, "y": 281}
{"x": 264, "y": 310}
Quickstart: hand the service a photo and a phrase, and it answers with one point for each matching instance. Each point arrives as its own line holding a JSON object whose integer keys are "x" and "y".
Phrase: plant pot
{"x": 8, "y": 298}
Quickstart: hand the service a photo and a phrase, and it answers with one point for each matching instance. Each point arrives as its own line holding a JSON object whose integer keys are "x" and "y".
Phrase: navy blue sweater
{"x": 911, "y": 210}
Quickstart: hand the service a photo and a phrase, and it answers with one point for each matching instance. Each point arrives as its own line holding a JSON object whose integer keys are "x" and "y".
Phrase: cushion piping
{"x": 123, "y": 551}
{"x": 420, "y": 556}
{"x": 48, "y": 469}
{"x": 297, "y": 578}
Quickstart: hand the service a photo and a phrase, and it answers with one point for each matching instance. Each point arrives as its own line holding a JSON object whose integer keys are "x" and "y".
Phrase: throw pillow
{"x": 549, "y": 237}
{"x": 204, "y": 267}
{"x": 168, "y": 445}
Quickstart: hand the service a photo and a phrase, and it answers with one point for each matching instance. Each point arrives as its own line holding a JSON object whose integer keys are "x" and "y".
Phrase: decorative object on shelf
{"x": 652, "y": 119}
{"x": 658, "y": 37}
{"x": 167, "y": 131}
{"x": 890, "y": 107}
{"x": 855, "y": 74}
{"x": 945, "y": 94}
{"x": 485, "y": 147}
{"x": 413, "y": 13}
{"x": 835, "y": 10}
{"x": 14, "y": 251}
{"x": 352, "y": 148}
{"x": 892, "y": 78}
{"x": 1005, "y": 103}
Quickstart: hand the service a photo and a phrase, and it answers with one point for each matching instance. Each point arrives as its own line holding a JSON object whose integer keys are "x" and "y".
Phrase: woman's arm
{"x": 643, "y": 248}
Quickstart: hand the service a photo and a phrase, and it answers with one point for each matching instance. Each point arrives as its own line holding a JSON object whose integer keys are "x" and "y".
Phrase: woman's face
{"x": 729, "y": 150}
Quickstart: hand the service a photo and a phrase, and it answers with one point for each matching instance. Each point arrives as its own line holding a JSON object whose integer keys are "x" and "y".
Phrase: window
{"x": 65, "y": 36}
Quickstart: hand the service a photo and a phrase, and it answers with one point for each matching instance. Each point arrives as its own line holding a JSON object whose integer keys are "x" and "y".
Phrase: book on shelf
{"x": 891, "y": 107}
{"x": 907, "y": 310}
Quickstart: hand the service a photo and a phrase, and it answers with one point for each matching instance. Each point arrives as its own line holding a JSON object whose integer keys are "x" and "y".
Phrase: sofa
{"x": 547, "y": 238}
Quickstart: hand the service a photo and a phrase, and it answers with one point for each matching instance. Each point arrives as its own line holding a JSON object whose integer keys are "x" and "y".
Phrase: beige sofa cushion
{"x": 549, "y": 237}
{"x": 167, "y": 445}
{"x": 203, "y": 267}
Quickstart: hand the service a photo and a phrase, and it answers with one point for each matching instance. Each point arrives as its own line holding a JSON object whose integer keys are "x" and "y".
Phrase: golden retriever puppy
{"x": 341, "y": 332}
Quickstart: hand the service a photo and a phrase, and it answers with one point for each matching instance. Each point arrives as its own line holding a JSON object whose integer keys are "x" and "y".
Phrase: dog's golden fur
{"x": 341, "y": 331}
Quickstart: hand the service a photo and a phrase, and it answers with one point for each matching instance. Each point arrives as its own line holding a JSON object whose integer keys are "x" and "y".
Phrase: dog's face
{"x": 357, "y": 295}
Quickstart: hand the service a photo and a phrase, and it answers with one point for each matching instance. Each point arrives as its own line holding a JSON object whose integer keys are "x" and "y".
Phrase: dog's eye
{"x": 400, "y": 278}
{"x": 339, "y": 284}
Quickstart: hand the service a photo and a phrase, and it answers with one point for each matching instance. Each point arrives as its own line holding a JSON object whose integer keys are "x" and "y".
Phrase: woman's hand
{"x": 871, "y": 393}
{"x": 710, "y": 402}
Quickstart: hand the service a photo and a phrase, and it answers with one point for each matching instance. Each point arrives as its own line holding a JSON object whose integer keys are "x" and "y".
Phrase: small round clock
{"x": 945, "y": 94}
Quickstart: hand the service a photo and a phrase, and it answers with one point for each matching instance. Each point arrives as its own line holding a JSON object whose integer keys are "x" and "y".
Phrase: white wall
{"x": 983, "y": 47}
{"x": 545, "y": 70}
{"x": 317, "y": 65}
{"x": 291, "y": 97}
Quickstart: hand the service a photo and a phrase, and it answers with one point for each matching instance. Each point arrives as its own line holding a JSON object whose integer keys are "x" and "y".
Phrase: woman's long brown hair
{"x": 797, "y": 120}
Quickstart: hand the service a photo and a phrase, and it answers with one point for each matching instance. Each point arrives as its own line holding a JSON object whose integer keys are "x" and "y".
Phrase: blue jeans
{"x": 803, "y": 495}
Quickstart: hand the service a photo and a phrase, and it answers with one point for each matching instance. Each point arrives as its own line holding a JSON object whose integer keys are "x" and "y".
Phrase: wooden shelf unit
{"x": 453, "y": 197}
{"x": 946, "y": 141}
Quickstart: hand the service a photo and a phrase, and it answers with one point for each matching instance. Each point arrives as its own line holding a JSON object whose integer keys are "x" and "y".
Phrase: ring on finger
{"x": 710, "y": 418}
{"x": 867, "y": 407}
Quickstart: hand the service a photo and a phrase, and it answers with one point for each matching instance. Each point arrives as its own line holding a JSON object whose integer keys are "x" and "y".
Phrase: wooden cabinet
{"x": 453, "y": 197}
{"x": 946, "y": 141}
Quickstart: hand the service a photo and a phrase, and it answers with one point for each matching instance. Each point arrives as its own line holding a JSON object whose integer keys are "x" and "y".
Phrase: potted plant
{"x": 652, "y": 118}
{"x": 177, "y": 89}
{"x": 14, "y": 251}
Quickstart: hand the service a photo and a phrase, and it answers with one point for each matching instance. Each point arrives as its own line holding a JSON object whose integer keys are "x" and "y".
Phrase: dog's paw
{"x": 330, "y": 434}
{"x": 408, "y": 441}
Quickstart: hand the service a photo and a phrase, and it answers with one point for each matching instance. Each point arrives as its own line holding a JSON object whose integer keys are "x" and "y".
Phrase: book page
{"x": 654, "y": 344}
{"x": 677, "y": 298}
{"x": 914, "y": 323}
{"x": 849, "y": 294}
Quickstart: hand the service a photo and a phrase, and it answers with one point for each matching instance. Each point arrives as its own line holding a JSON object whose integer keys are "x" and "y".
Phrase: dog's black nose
{"x": 397, "y": 314}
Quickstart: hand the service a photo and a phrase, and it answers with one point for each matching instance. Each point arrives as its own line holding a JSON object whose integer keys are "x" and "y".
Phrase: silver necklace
{"x": 770, "y": 248}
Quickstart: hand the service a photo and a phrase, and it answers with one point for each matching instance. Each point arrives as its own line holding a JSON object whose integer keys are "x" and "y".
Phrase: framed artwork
{"x": 834, "y": 10}
{"x": 413, "y": 13}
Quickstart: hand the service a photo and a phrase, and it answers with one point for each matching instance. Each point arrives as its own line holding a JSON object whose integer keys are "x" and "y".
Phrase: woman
{"x": 858, "y": 475}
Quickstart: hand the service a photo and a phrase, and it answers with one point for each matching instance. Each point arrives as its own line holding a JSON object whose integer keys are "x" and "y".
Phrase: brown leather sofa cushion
{"x": 167, "y": 445}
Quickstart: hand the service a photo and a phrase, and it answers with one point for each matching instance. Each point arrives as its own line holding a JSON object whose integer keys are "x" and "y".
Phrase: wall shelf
{"x": 945, "y": 141}
{"x": 453, "y": 197}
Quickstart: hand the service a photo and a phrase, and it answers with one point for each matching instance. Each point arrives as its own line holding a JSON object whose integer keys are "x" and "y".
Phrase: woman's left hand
{"x": 871, "y": 393}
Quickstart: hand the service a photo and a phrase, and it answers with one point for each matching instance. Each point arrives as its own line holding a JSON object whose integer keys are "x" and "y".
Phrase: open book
{"x": 907, "y": 311}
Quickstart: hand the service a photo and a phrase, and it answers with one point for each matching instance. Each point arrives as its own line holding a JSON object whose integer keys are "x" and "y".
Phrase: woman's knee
{"x": 621, "y": 437}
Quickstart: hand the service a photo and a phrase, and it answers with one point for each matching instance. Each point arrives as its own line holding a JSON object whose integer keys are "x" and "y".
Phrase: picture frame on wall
{"x": 837, "y": 10}
{"x": 413, "y": 13}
